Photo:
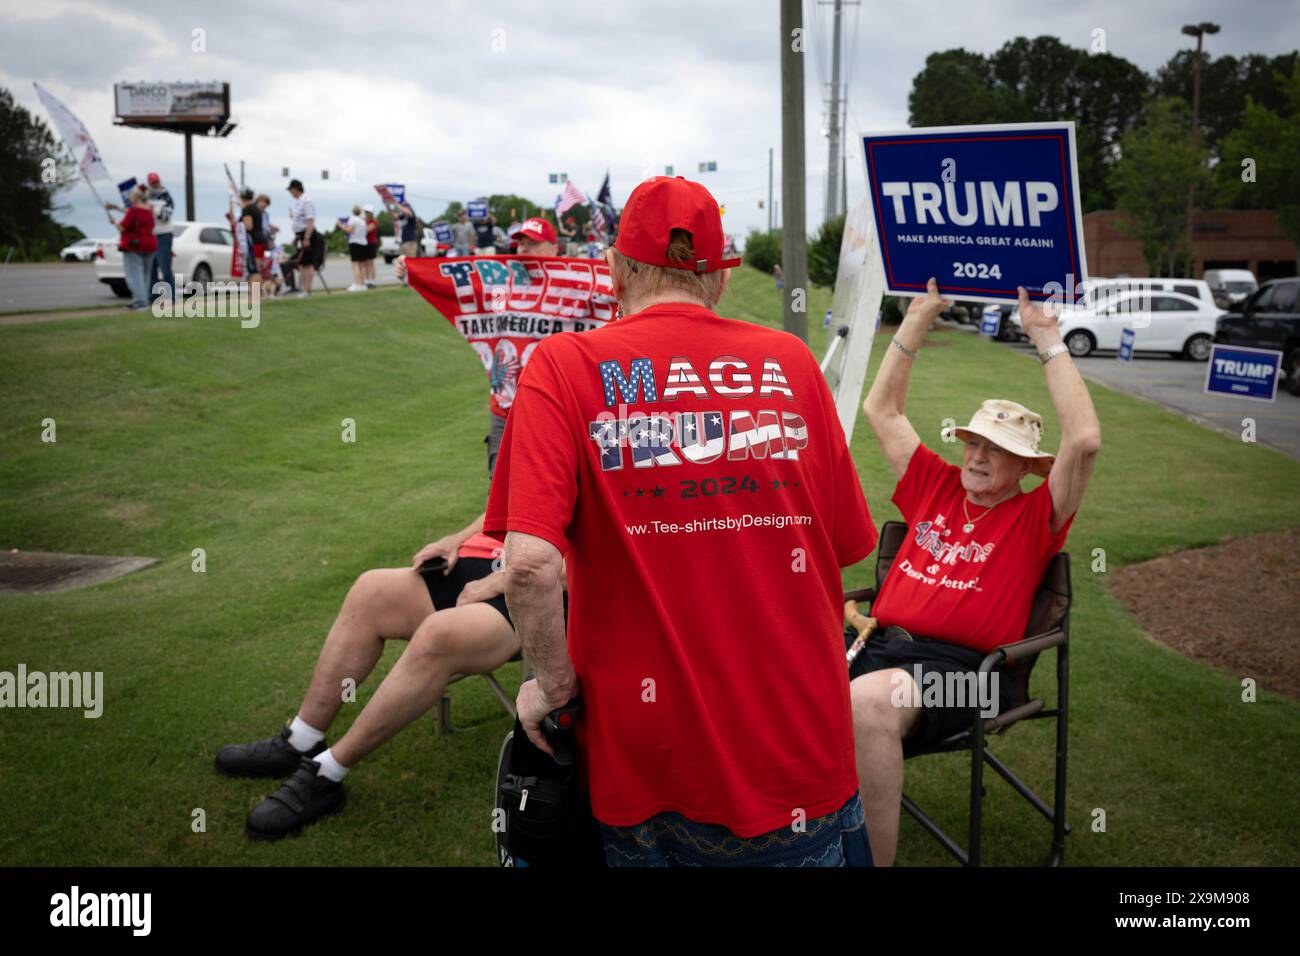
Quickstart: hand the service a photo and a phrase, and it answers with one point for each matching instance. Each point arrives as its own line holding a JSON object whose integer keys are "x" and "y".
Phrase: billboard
{"x": 172, "y": 104}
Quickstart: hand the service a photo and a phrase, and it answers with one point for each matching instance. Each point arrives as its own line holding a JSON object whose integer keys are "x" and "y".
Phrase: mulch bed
{"x": 1233, "y": 606}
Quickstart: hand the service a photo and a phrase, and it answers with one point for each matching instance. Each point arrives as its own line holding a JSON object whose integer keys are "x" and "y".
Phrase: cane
{"x": 862, "y": 624}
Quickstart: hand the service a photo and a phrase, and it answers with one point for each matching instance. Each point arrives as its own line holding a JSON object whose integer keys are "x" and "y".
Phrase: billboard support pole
{"x": 189, "y": 176}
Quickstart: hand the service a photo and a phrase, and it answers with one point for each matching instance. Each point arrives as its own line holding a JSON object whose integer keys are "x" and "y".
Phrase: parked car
{"x": 1230, "y": 285}
{"x": 1162, "y": 322}
{"x": 1097, "y": 290}
{"x": 390, "y": 248}
{"x": 201, "y": 253}
{"x": 83, "y": 250}
{"x": 1099, "y": 293}
{"x": 1268, "y": 319}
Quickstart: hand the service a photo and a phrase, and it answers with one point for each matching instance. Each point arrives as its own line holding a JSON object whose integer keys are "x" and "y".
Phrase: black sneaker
{"x": 272, "y": 757}
{"x": 302, "y": 799}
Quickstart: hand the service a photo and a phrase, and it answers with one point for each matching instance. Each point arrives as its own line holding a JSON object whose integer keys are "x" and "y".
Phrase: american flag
{"x": 597, "y": 218}
{"x": 571, "y": 197}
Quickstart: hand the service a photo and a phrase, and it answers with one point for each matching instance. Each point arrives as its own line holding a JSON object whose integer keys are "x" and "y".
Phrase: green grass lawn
{"x": 193, "y": 433}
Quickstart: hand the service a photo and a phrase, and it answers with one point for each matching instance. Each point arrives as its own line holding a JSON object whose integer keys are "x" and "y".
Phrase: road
{"x": 32, "y": 287}
{"x": 1179, "y": 386}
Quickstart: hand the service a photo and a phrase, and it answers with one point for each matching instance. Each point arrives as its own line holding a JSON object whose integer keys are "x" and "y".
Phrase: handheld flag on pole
{"x": 74, "y": 134}
{"x": 571, "y": 197}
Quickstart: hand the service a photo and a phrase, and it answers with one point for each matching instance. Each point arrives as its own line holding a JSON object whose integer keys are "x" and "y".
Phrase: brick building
{"x": 1221, "y": 239}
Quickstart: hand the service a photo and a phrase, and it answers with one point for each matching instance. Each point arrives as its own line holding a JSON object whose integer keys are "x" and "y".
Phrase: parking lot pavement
{"x": 1179, "y": 386}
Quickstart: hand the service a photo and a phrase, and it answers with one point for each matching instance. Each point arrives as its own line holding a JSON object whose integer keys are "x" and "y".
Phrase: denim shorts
{"x": 838, "y": 838}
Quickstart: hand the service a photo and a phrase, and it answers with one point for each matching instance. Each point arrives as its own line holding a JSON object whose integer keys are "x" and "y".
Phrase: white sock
{"x": 330, "y": 768}
{"x": 303, "y": 736}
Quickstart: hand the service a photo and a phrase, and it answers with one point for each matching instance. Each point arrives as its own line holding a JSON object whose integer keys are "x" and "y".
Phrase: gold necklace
{"x": 969, "y": 526}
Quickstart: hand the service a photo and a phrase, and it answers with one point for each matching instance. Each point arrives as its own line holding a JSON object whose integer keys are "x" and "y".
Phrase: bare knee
{"x": 435, "y": 643}
{"x": 391, "y": 600}
{"x": 367, "y": 591}
{"x": 878, "y": 708}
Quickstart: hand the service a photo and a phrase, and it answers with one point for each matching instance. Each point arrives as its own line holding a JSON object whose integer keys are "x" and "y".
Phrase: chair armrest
{"x": 1032, "y": 645}
{"x": 860, "y": 595}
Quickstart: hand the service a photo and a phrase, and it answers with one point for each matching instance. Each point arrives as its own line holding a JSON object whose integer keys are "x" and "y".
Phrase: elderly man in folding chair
{"x": 977, "y": 547}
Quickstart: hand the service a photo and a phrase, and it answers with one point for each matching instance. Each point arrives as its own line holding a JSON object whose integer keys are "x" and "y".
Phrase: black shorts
{"x": 371, "y": 249}
{"x": 928, "y": 661}
{"x": 313, "y": 254}
{"x": 357, "y": 251}
{"x": 444, "y": 589}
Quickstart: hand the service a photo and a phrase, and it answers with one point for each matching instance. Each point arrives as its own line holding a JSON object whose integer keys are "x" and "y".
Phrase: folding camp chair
{"x": 1049, "y": 626}
{"x": 442, "y": 717}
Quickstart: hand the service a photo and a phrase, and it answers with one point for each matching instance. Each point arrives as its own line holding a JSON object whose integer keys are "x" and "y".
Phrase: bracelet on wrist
{"x": 910, "y": 353}
{"x": 1053, "y": 352}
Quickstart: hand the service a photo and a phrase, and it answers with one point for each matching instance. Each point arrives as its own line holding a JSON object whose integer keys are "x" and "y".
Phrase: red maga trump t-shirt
{"x": 694, "y": 472}
{"x": 973, "y": 589}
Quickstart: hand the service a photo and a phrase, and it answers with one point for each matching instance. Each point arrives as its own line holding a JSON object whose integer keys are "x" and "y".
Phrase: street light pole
{"x": 1198, "y": 30}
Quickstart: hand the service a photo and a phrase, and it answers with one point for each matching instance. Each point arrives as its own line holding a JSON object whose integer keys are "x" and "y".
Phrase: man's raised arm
{"x": 1080, "y": 429}
{"x": 884, "y": 404}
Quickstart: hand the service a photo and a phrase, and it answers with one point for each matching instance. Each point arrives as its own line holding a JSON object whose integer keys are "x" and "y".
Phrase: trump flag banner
{"x": 505, "y": 305}
{"x": 391, "y": 194}
{"x": 983, "y": 209}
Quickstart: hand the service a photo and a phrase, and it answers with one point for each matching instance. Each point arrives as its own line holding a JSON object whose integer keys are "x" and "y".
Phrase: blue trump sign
{"x": 990, "y": 319}
{"x": 983, "y": 209}
{"x": 442, "y": 231}
{"x": 1243, "y": 373}
{"x": 477, "y": 209}
{"x": 1126, "y": 339}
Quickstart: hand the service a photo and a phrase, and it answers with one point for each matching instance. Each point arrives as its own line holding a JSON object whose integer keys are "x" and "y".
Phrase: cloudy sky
{"x": 458, "y": 99}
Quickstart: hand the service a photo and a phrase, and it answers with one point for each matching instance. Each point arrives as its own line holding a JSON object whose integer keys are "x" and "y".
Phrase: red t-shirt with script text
{"x": 694, "y": 473}
{"x": 973, "y": 589}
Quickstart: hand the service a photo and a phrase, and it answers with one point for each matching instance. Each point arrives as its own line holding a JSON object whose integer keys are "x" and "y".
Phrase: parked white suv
{"x": 201, "y": 253}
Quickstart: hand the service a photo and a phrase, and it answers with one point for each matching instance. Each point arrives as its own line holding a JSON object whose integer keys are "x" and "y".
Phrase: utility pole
{"x": 769, "y": 188}
{"x": 833, "y": 149}
{"x": 794, "y": 241}
{"x": 1198, "y": 30}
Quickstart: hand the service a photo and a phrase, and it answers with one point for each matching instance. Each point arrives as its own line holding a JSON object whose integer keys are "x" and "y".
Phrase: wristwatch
{"x": 1053, "y": 352}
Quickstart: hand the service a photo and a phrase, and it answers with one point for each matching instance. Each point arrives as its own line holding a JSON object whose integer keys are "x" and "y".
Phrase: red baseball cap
{"x": 153, "y": 178}
{"x": 538, "y": 230}
{"x": 662, "y": 204}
